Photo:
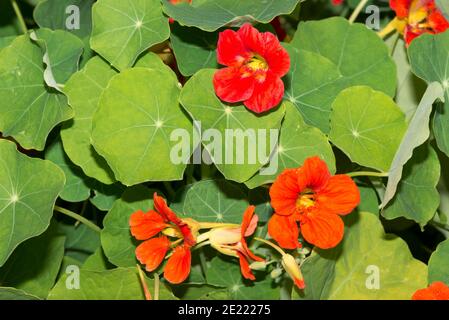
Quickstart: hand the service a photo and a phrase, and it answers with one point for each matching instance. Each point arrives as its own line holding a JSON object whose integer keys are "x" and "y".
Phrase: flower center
{"x": 418, "y": 15}
{"x": 306, "y": 199}
{"x": 257, "y": 63}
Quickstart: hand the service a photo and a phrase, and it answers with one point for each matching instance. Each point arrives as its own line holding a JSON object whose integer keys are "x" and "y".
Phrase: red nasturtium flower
{"x": 416, "y": 17}
{"x": 231, "y": 241}
{"x": 151, "y": 253}
{"x": 436, "y": 291}
{"x": 255, "y": 62}
{"x": 337, "y": 2}
{"x": 313, "y": 197}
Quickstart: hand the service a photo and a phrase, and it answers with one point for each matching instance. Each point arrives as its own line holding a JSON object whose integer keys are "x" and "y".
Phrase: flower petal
{"x": 284, "y": 230}
{"x": 313, "y": 174}
{"x": 247, "y": 228}
{"x": 266, "y": 95}
{"x": 275, "y": 55}
{"x": 323, "y": 230}
{"x": 231, "y": 51}
{"x": 177, "y": 268}
{"x": 249, "y": 222}
{"x": 401, "y": 7}
{"x": 169, "y": 216}
{"x": 437, "y": 21}
{"x": 146, "y": 225}
{"x": 284, "y": 192}
{"x": 252, "y": 39}
{"x": 161, "y": 206}
{"x": 436, "y": 291}
{"x": 152, "y": 252}
{"x": 244, "y": 268}
{"x": 339, "y": 196}
{"x": 232, "y": 86}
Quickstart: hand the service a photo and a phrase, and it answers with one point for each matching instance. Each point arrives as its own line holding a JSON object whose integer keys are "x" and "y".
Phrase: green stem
{"x": 79, "y": 218}
{"x": 367, "y": 174}
{"x": 83, "y": 209}
{"x": 357, "y": 10}
{"x": 144, "y": 284}
{"x": 395, "y": 43}
{"x": 22, "y": 23}
{"x": 271, "y": 244}
{"x": 156, "y": 285}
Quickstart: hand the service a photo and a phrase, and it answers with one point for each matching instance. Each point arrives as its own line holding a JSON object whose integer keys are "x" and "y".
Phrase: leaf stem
{"x": 157, "y": 284}
{"x": 271, "y": 244}
{"x": 83, "y": 209}
{"x": 357, "y": 10}
{"x": 22, "y": 23}
{"x": 144, "y": 284}
{"x": 395, "y": 44}
{"x": 367, "y": 174}
{"x": 77, "y": 217}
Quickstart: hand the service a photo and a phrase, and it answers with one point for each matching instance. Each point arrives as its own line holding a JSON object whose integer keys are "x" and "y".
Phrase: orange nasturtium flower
{"x": 163, "y": 222}
{"x": 313, "y": 197}
{"x": 436, "y": 291}
{"x": 231, "y": 241}
{"x": 416, "y": 17}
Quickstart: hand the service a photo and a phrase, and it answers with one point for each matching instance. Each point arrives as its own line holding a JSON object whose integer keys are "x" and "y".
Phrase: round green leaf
{"x": 97, "y": 262}
{"x": 368, "y": 126}
{"x": 76, "y": 188}
{"x": 62, "y": 14}
{"x": 124, "y": 29}
{"x": 438, "y": 270}
{"x": 136, "y": 115}
{"x": 28, "y": 191}
{"x": 429, "y": 58}
{"x": 116, "y": 284}
{"x": 105, "y": 195}
{"x": 369, "y": 264}
{"x": 213, "y": 14}
{"x": 339, "y": 55}
{"x": 34, "y": 109}
{"x": 212, "y": 200}
{"x": 15, "y": 294}
{"x": 62, "y": 52}
{"x": 74, "y": 16}
{"x": 298, "y": 141}
{"x": 410, "y": 87}
{"x": 234, "y": 124}
{"x": 417, "y": 197}
{"x": 81, "y": 241}
{"x": 34, "y": 265}
{"x": 194, "y": 49}
{"x": 6, "y": 41}
{"x": 118, "y": 244}
{"x": 226, "y": 273}
{"x": 83, "y": 91}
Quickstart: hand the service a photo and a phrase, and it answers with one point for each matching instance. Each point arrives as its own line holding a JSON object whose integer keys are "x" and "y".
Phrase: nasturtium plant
{"x": 124, "y": 29}
{"x": 224, "y": 150}
{"x": 38, "y": 108}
